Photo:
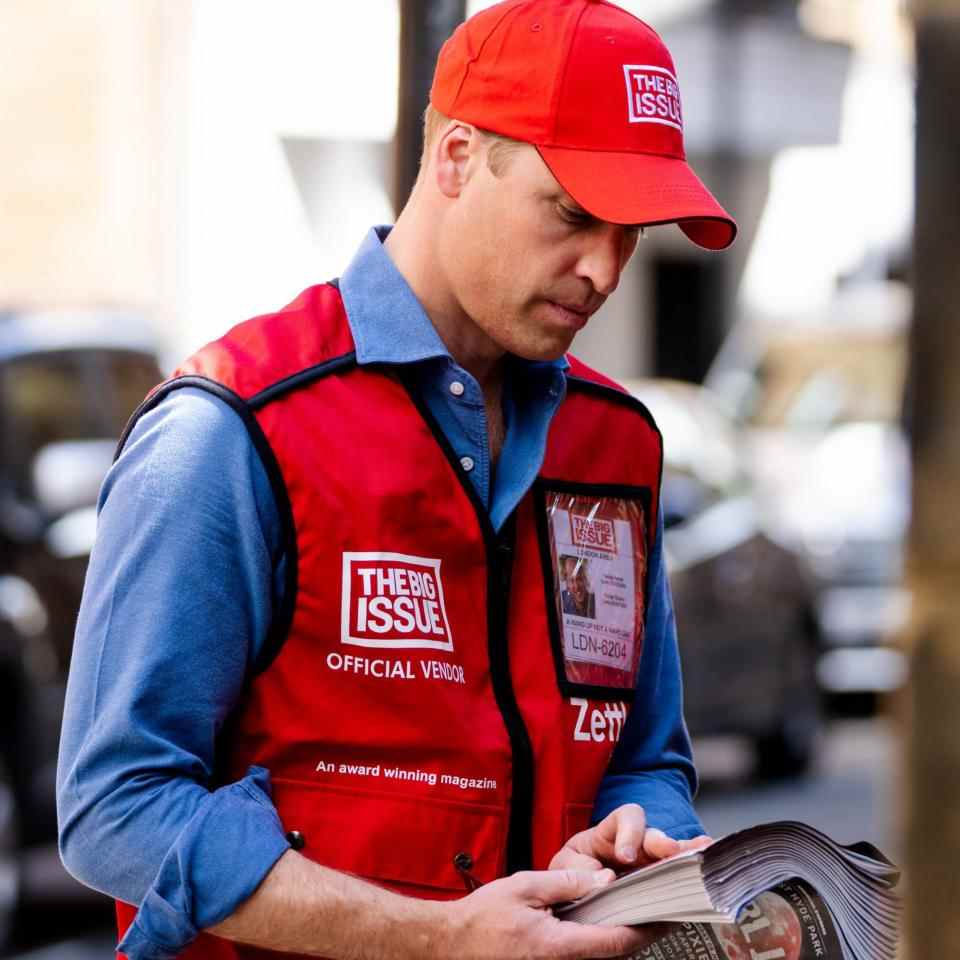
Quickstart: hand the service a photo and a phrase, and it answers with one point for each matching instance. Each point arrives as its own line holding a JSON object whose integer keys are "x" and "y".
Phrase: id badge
{"x": 594, "y": 551}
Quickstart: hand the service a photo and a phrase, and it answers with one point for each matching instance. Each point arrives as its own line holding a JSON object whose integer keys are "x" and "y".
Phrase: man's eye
{"x": 578, "y": 217}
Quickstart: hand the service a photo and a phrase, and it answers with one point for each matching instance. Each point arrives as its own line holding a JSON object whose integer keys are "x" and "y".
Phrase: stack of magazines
{"x": 777, "y": 891}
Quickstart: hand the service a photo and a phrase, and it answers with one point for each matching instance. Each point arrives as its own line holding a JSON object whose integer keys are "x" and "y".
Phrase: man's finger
{"x": 697, "y": 843}
{"x": 618, "y": 835}
{"x": 588, "y": 940}
{"x": 542, "y": 888}
{"x": 570, "y": 859}
{"x": 631, "y": 821}
{"x": 657, "y": 845}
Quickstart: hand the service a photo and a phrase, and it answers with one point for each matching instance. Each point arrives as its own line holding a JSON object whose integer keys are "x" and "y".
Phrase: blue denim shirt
{"x": 186, "y": 571}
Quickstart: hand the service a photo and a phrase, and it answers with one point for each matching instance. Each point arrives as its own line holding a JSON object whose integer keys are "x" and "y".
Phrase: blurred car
{"x": 820, "y": 409}
{"x": 68, "y": 382}
{"x": 746, "y": 626}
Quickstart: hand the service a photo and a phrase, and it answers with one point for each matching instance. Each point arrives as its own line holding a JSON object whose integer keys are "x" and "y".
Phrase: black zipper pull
{"x": 464, "y": 864}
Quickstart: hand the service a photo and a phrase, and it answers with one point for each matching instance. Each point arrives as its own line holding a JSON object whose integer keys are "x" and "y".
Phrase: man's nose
{"x": 604, "y": 256}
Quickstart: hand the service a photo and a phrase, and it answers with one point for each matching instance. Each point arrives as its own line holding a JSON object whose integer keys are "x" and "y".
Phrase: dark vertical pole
{"x": 933, "y": 734}
{"x": 424, "y": 26}
{"x": 687, "y": 296}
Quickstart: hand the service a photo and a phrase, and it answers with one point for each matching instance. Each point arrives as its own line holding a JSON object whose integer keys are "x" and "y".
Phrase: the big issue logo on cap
{"x": 653, "y": 95}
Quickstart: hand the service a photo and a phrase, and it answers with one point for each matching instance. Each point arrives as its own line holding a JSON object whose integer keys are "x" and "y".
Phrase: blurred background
{"x": 171, "y": 167}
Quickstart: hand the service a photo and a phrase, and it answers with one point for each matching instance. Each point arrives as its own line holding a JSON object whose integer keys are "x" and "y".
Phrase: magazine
{"x": 777, "y": 891}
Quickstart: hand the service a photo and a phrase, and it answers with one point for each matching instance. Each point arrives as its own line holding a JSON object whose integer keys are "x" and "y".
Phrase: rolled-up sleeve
{"x": 652, "y": 764}
{"x": 178, "y": 598}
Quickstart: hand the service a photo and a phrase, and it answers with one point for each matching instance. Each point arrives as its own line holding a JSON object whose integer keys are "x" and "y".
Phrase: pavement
{"x": 852, "y": 794}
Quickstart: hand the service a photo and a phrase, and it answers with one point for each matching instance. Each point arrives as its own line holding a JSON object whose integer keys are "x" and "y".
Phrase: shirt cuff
{"x": 217, "y": 862}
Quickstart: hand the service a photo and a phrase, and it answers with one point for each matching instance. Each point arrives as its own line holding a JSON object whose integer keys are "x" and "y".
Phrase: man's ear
{"x": 455, "y": 154}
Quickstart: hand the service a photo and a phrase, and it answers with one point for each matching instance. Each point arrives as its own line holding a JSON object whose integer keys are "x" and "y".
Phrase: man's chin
{"x": 545, "y": 351}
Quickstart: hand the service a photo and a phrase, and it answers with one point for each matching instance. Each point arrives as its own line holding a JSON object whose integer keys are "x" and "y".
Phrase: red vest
{"x": 437, "y": 702}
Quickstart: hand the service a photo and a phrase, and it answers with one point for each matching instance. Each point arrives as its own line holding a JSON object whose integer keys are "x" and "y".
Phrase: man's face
{"x": 524, "y": 261}
{"x": 577, "y": 581}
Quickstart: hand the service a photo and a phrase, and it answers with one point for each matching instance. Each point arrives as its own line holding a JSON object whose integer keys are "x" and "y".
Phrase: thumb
{"x": 657, "y": 845}
{"x": 543, "y": 888}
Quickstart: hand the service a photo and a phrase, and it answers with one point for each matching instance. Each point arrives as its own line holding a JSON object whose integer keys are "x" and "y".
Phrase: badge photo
{"x": 593, "y": 544}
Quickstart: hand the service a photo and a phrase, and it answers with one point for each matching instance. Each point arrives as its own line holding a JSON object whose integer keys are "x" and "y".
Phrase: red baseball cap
{"x": 595, "y": 90}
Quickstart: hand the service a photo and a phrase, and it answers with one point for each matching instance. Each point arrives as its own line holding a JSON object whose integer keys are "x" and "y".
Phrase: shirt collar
{"x": 387, "y": 321}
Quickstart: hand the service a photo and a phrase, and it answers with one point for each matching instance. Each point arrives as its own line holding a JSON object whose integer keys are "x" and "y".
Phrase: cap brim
{"x": 642, "y": 188}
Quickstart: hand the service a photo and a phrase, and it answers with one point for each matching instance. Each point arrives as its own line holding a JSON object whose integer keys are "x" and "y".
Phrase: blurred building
{"x": 82, "y": 182}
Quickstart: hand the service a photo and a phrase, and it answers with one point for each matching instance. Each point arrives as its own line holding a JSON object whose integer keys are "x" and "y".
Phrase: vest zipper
{"x": 500, "y": 567}
{"x": 499, "y": 550}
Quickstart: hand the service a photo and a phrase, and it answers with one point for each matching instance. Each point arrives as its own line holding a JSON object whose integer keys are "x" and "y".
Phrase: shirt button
{"x": 466, "y": 463}
{"x": 457, "y": 388}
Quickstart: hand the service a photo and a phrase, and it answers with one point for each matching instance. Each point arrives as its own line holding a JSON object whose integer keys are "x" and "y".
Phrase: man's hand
{"x": 304, "y": 908}
{"x": 511, "y": 918}
{"x": 621, "y": 840}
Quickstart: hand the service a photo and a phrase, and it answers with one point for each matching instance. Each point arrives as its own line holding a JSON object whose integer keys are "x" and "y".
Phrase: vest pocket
{"x": 414, "y": 845}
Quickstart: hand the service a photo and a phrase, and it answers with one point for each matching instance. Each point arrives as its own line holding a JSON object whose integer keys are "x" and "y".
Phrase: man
{"x": 576, "y": 598}
{"x": 315, "y": 649}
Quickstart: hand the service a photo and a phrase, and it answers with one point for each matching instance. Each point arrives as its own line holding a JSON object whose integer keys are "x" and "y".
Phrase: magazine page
{"x": 789, "y": 922}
